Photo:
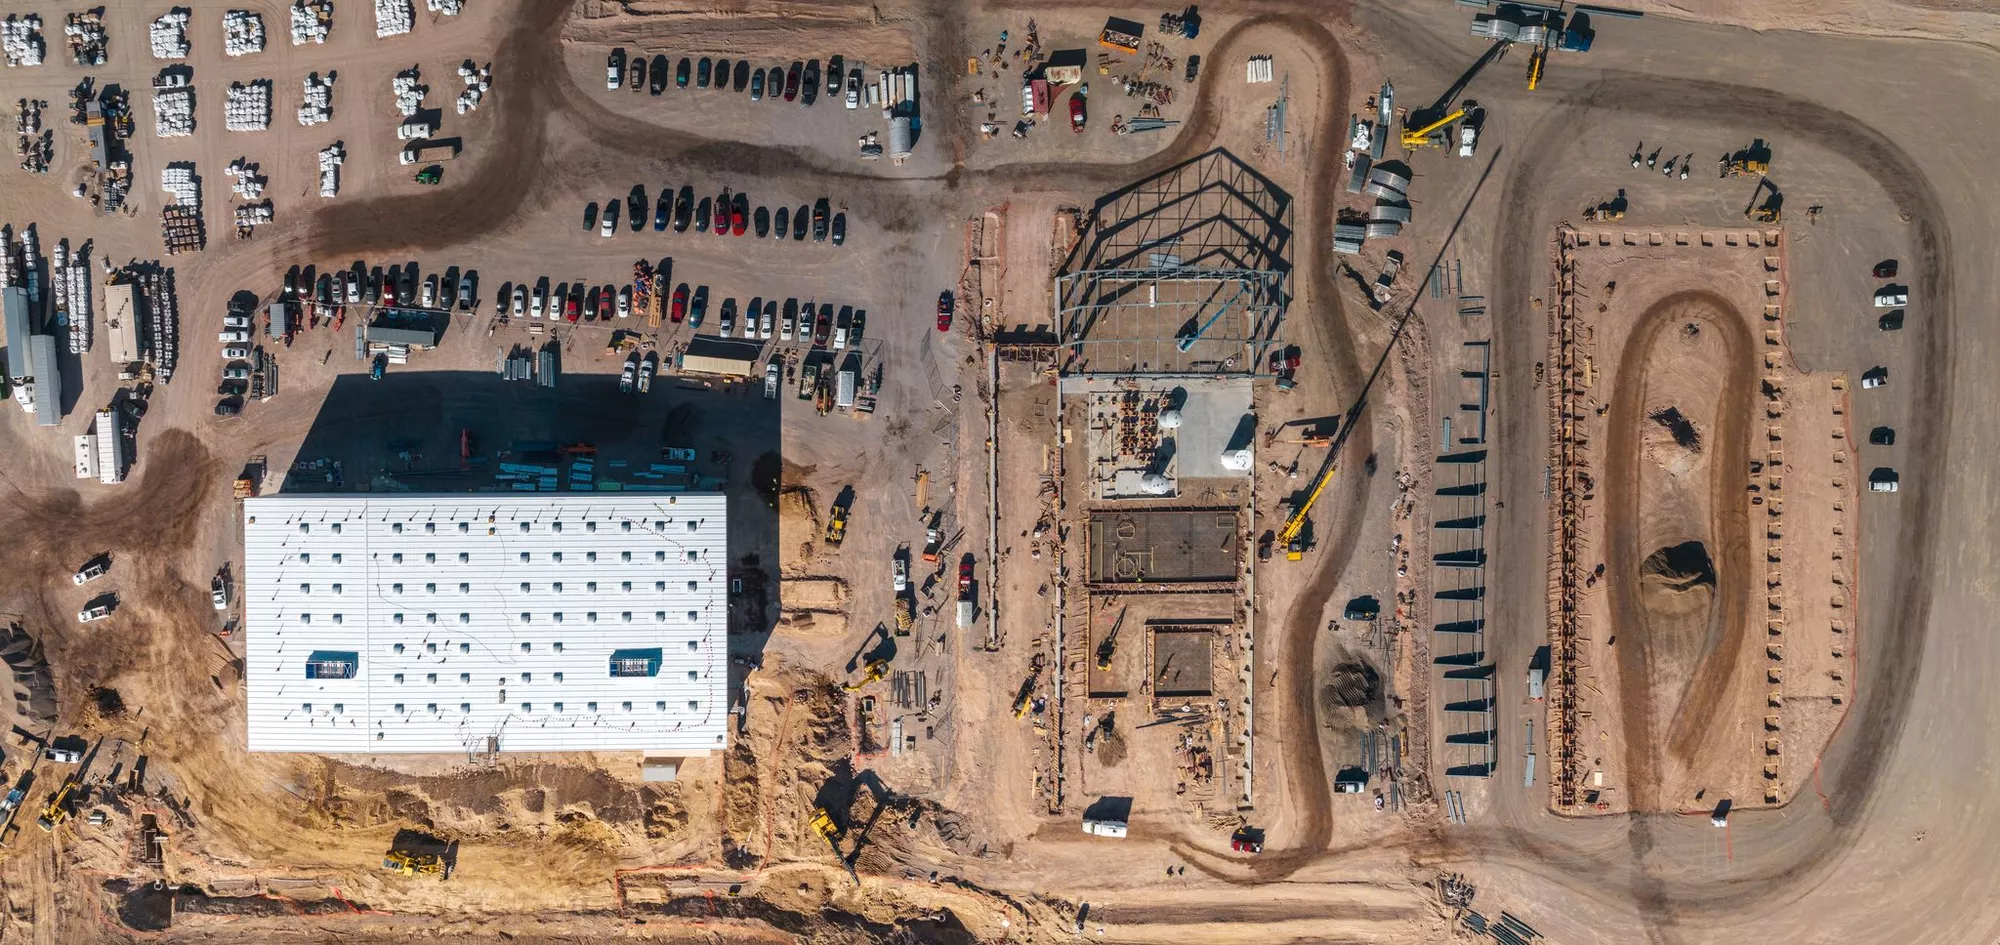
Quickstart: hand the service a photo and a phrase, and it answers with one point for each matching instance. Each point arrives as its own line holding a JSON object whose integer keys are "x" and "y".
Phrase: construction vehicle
{"x": 431, "y": 175}
{"x": 407, "y": 863}
{"x": 1293, "y": 534}
{"x": 905, "y": 618}
{"x": 836, "y": 524}
{"x": 1027, "y": 690}
{"x": 933, "y": 537}
{"x": 1426, "y": 136}
{"x": 874, "y": 672}
{"x": 1769, "y": 210}
{"x": 57, "y": 810}
{"x": 1107, "y": 647}
{"x": 1535, "y": 62}
{"x": 822, "y": 824}
{"x": 1741, "y": 165}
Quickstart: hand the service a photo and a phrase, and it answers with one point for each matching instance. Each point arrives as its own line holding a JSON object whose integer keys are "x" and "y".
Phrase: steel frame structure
{"x": 1183, "y": 273}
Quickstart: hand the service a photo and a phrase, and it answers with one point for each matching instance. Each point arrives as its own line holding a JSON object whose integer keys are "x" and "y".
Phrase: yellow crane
{"x": 1292, "y": 535}
{"x": 1421, "y": 137}
{"x": 1109, "y": 646}
{"x": 1535, "y": 61}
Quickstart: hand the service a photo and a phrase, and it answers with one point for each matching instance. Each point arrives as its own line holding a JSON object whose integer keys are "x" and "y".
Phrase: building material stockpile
{"x": 173, "y": 105}
{"x": 181, "y": 225}
{"x": 85, "y": 32}
{"x": 477, "y": 80}
{"x": 330, "y": 159}
{"x": 248, "y": 107}
{"x": 242, "y": 33}
{"x": 312, "y": 20}
{"x": 169, "y": 35}
{"x": 21, "y": 40}
{"x": 392, "y": 18}
{"x": 316, "y": 103}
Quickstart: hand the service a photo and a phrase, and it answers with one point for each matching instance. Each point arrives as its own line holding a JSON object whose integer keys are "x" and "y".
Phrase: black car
{"x": 702, "y": 72}
{"x": 809, "y": 87}
{"x": 232, "y": 387}
{"x": 1193, "y": 69}
{"x": 291, "y": 283}
{"x": 855, "y": 324}
{"x": 638, "y": 71}
{"x": 721, "y": 75}
{"x": 784, "y": 218}
{"x": 699, "y": 308}
{"x": 1892, "y": 321}
{"x": 590, "y": 216}
{"x": 792, "y": 79}
{"x": 661, "y": 212}
{"x": 228, "y": 407}
{"x": 833, "y": 74}
{"x": 701, "y": 214}
{"x": 742, "y": 75}
{"x": 375, "y": 285}
{"x": 1882, "y": 436}
{"x": 635, "y": 207}
{"x": 762, "y": 221}
{"x": 683, "y": 209}
{"x": 658, "y": 74}
{"x": 839, "y": 228}
{"x": 820, "y": 209}
{"x": 800, "y": 218}
{"x": 681, "y": 73}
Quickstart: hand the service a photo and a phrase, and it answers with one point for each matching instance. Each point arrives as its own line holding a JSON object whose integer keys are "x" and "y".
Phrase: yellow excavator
{"x": 876, "y": 671}
{"x": 406, "y": 863}
{"x": 1422, "y": 137}
{"x": 1293, "y": 534}
{"x": 1109, "y": 645}
{"x": 58, "y": 809}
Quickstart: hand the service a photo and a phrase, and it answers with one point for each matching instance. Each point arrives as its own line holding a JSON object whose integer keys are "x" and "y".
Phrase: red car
{"x": 680, "y": 309}
{"x": 1886, "y": 269}
{"x": 573, "y": 306}
{"x": 604, "y": 297}
{"x": 792, "y": 80}
{"x": 722, "y": 214}
{"x": 944, "y": 310}
{"x": 739, "y": 215}
{"x": 1076, "y": 112}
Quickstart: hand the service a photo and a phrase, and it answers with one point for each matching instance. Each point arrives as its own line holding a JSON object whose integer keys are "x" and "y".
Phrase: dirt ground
{"x": 960, "y": 830}
{"x": 1685, "y": 410}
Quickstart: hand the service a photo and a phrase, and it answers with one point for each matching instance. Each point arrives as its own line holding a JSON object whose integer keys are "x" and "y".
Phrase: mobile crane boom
{"x": 1421, "y": 137}
{"x": 1295, "y": 526}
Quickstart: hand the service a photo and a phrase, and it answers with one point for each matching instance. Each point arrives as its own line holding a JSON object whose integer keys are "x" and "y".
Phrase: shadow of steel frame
{"x": 1185, "y": 272}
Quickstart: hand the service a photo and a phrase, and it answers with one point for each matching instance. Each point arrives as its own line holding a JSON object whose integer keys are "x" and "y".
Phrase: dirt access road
{"x": 1873, "y": 852}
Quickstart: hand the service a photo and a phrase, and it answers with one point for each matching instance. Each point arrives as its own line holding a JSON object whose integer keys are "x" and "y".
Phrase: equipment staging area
{"x": 478, "y": 624}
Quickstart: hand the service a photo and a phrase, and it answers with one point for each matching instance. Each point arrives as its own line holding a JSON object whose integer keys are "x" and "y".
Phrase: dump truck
{"x": 430, "y": 152}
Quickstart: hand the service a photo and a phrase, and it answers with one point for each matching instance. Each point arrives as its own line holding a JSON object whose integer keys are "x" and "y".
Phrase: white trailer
{"x": 110, "y": 448}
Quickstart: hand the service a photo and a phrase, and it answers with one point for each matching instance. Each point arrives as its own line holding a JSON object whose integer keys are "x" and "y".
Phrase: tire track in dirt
{"x": 1728, "y": 532}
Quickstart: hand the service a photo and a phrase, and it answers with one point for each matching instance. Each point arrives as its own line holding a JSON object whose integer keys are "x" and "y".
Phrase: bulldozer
{"x": 836, "y": 524}
{"x": 407, "y": 863}
{"x": 1027, "y": 691}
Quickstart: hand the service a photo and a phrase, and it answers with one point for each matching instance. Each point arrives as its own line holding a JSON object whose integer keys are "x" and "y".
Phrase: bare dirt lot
{"x": 955, "y": 818}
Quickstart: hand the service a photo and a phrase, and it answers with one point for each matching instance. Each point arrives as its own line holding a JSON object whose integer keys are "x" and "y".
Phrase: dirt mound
{"x": 1681, "y": 567}
{"x": 813, "y": 594}
{"x": 1679, "y": 427}
{"x": 1350, "y": 686}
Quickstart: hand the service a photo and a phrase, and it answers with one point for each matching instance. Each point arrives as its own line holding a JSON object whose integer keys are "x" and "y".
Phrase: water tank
{"x": 899, "y": 138}
{"x": 1154, "y": 483}
{"x": 1170, "y": 419}
{"x": 1239, "y": 460}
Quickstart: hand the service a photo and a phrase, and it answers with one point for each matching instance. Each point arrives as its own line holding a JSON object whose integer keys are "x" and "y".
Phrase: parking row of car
{"x": 799, "y": 82}
{"x": 397, "y": 285}
{"x": 728, "y": 214}
{"x": 1885, "y": 478}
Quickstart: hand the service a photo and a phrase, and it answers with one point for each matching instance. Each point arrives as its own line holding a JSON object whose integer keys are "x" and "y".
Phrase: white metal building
{"x": 471, "y": 623}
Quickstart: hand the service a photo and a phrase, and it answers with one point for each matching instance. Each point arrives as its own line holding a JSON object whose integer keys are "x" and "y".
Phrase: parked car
{"x": 468, "y": 290}
{"x": 1890, "y": 321}
{"x": 663, "y": 211}
{"x": 702, "y": 211}
{"x": 233, "y": 336}
{"x": 638, "y": 70}
{"x": 822, "y": 325}
{"x": 698, "y": 308}
{"x": 702, "y": 71}
{"x": 771, "y": 379}
{"x": 683, "y": 209}
{"x": 757, "y": 85}
{"x": 791, "y": 318}
{"x": 540, "y": 302}
{"x": 839, "y": 228}
{"x": 679, "y": 310}
{"x": 589, "y": 216}
{"x": 635, "y": 207}
{"x": 854, "y": 324}
{"x": 820, "y": 208}
{"x": 1882, "y": 436}
{"x": 378, "y": 367}
{"x": 658, "y": 74}
{"x": 520, "y": 301}
{"x": 739, "y": 215}
{"x": 854, "y": 88}
{"x": 1883, "y": 479}
{"x": 93, "y": 614}
{"x": 722, "y": 208}
{"x": 1246, "y": 840}
{"x": 779, "y": 226}
{"x": 218, "y": 593}
{"x": 235, "y": 321}
{"x": 230, "y": 388}
{"x": 762, "y": 221}
{"x": 237, "y": 371}
{"x": 1076, "y": 113}
{"x": 625, "y": 301}
{"x": 774, "y": 82}
{"x": 228, "y": 407}
{"x": 90, "y": 572}
{"x": 236, "y": 353}
{"x": 809, "y": 86}
{"x": 1875, "y": 377}
{"x": 573, "y": 304}
{"x": 764, "y": 320}
{"x": 430, "y": 294}
{"x": 1892, "y": 296}
{"x": 901, "y": 579}
{"x": 605, "y": 304}
{"x": 725, "y": 321}
{"x": 722, "y": 75}
{"x": 607, "y": 223}
{"x": 742, "y": 75}
{"x": 614, "y": 69}
{"x": 1886, "y": 269}
{"x": 63, "y": 756}
{"x": 945, "y": 304}
{"x": 800, "y": 218}
{"x": 792, "y": 76}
